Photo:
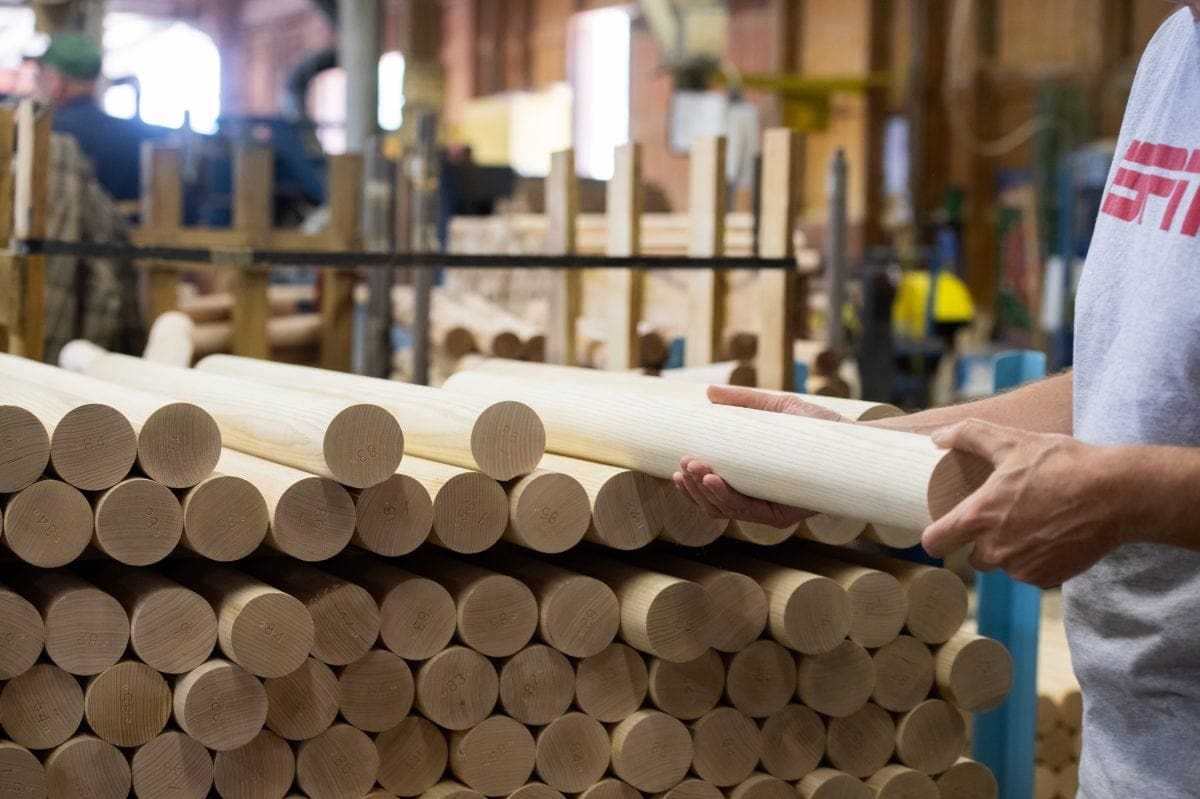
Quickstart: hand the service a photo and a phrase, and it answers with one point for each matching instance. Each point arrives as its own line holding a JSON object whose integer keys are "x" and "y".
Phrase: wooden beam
{"x": 879, "y": 59}
{"x": 562, "y": 209}
{"x": 337, "y": 288}
{"x": 929, "y": 134}
{"x": 707, "y": 193}
{"x": 624, "y": 215}
{"x": 253, "y": 178}
{"x": 980, "y": 216}
{"x": 778, "y": 288}
{"x": 162, "y": 216}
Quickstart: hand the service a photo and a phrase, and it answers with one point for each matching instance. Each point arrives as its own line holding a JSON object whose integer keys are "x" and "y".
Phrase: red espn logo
{"x": 1132, "y": 186}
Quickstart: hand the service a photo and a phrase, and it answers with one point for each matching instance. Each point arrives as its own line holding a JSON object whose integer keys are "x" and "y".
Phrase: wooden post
{"x": 969, "y": 779}
{"x": 31, "y": 206}
{"x": 548, "y": 511}
{"x": 973, "y": 672}
{"x": 375, "y": 692}
{"x": 627, "y": 506}
{"x": 612, "y": 685}
{"x": 220, "y": 705}
{"x": 26, "y": 444}
{"x": 687, "y": 690}
{"x": 23, "y": 632}
{"x": 127, "y": 704}
{"x": 172, "y": 764}
{"x": 456, "y": 688}
{"x": 341, "y": 761}
{"x": 42, "y": 707}
{"x": 562, "y": 208}
{"x": 264, "y": 767}
{"x": 253, "y": 215}
{"x": 162, "y": 213}
{"x": 707, "y": 193}
{"x": 337, "y": 287}
{"x": 727, "y": 746}
{"x": 537, "y": 685}
{"x": 793, "y": 742}
{"x": 836, "y": 683}
{"x": 473, "y": 761}
{"x": 9, "y": 287}
{"x": 86, "y": 767}
{"x": 624, "y": 215}
{"x": 572, "y": 752}
{"x": 412, "y": 756}
{"x": 304, "y": 703}
{"x": 778, "y": 288}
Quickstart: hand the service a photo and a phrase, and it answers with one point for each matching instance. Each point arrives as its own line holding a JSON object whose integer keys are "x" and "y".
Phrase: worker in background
{"x": 1097, "y": 472}
{"x": 66, "y": 80}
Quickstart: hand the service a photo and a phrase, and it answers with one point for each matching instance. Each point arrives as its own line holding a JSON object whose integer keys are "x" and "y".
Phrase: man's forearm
{"x": 1153, "y": 492}
{"x": 1041, "y": 407}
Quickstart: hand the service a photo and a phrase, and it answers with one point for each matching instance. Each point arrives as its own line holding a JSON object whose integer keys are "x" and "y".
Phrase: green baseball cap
{"x": 74, "y": 54}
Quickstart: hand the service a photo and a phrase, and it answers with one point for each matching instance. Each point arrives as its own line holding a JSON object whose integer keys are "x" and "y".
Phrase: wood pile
{"x": 1059, "y": 716}
{"x": 256, "y": 580}
{"x": 294, "y": 334}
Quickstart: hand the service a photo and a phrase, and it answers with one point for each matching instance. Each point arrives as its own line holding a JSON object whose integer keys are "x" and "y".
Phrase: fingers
{"x": 689, "y": 485}
{"x": 954, "y": 530}
{"x": 771, "y": 402}
{"x": 977, "y": 437}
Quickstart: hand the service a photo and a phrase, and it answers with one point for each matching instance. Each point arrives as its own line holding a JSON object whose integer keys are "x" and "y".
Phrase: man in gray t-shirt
{"x": 1097, "y": 473}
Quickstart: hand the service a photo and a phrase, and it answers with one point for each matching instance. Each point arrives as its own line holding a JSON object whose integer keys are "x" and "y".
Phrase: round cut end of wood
{"x": 974, "y": 673}
{"x": 179, "y": 445}
{"x": 651, "y": 751}
{"x": 685, "y": 523}
{"x": 346, "y": 623}
{"x": 375, "y": 693}
{"x": 758, "y": 533}
{"x": 225, "y": 518}
{"x": 457, "y": 688}
{"x": 93, "y": 447}
{"x": 417, "y": 618}
{"x": 628, "y": 512}
{"x": 497, "y": 616}
{"x": 937, "y": 605}
{"x": 220, "y": 705}
{"x": 470, "y": 513}
{"x": 272, "y": 635}
{"x": 458, "y": 342}
{"x": 495, "y": 757}
{"x": 862, "y": 743}
{"x": 48, "y": 524}
{"x": 507, "y": 344}
{"x": 173, "y": 629}
{"x": 828, "y": 783}
{"x": 583, "y": 617}
{"x": 340, "y": 763}
{"x": 393, "y": 517}
{"x": 87, "y": 768}
{"x": 314, "y": 520}
{"x": 763, "y": 786}
{"x": 969, "y": 780}
{"x": 611, "y": 686}
{"x": 507, "y": 440}
{"x": 174, "y": 765}
{"x": 363, "y": 446}
{"x": 931, "y": 736}
{"x": 793, "y": 742}
{"x": 891, "y": 536}
{"x": 265, "y": 767}
{"x": 740, "y": 610}
{"x": 536, "y": 685}
{"x": 816, "y": 617}
{"x": 761, "y": 679}
{"x": 572, "y": 752}
{"x": 687, "y": 690}
{"x": 678, "y": 622}
{"x": 138, "y": 522}
{"x": 24, "y": 448}
{"x": 611, "y": 789}
{"x": 692, "y": 788}
{"x": 903, "y": 674}
{"x": 727, "y": 746}
{"x": 900, "y": 782}
{"x": 22, "y": 634}
{"x": 535, "y": 790}
{"x": 954, "y": 478}
{"x": 303, "y": 704}
{"x": 21, "y": 773}
{"x": 551, "y": 513}
{"x": 449, "y": 789}
{"x": 41, "y": 708}
{"x": 834, "y": 530}
{"x": 878, "y": 608}
{"x": 127, "y": 704}
{"x": 838, "y": 682}
{"x": 86, "y": 631}
{"x": 412, "y": 756}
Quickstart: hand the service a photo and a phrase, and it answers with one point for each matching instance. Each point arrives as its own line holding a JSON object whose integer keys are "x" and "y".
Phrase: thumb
{"x": 771, "y": 402}
{"x": 977, "y": 437}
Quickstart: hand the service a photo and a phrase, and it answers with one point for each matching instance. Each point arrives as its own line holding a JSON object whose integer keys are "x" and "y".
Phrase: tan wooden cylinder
{"x": 572, "y": 752}
{"x": 220, "y": 704}
{"x": 536, "y": 790}
{"x": 862, "y": 743}
{"x": 930, "y": 737}
{"x": 973, "y": 672}
{"x": 903, "y": 674}
{"x": 727, "y": 746}
{"x": 218, "y": 307}
{"x": 26, "y": 443}
{"x": 878, "y": 603}
{"x": 836, "y": 683}
{"x": 503, "y": 440}
{"x": 311, "y": 518}
{"x": 292, "y": 337}
{"x": 1054, "y": 748}
{"x": 340, "y": 763}
{"x": 23, "y": 774}
{"x": 345, "y": 616}
{"x": 627, "y": 506}
{"x": 262, "y": 629}
{"x": 758, "y": 533}
{"x": 412, "y": 756}
{"x": 661, "y": 615}
{"x": 890, "y": 535}
{"x": 610, "y": 788}
{"x": 495, "y": 757}
{"x": 41, "y": 708}
{"x": 127, "y": 704}
{"x": 828, "y": 783}
{"x": 685, "y": 523}
{"x": 417, "y": 616}
{"x": 691, "y": 788}
{"x": 225, "y": 518}
{"x": 86, "y": 767}
{"x": 262, "y": 769}
{"x": 762, "y": 786}
{"x": 687, "y": 690}
{"x": 793, "y": 742}
{"x": 895, "y": 781}
{"x": 967, "y": 779}
{"x": 48, "y": 524}
{"x": 375, "y": 692}
{"x": 456, "y": 688}
{"x": 760, "y": 679}
{"x": 380, "y": 794}
{"x": 547, "y": 511}
{"x": 22, "y": 634}
{"x": 449, "y": 789}
{"x": 356, "y": 444}
{"x": 172, "y": 764}
{"x": 138, "y": 522}
{"x": 303, "y": 704}
{"x": 833, "y": 530}
{"x": 577, "y": 614}
{"x": 86, "y": 629}
{"x": 1045, "y": 782}
{"x": 1068, "y": 780}
{"x": 611, "y": 685}
{"x": 651, "y": 751}
{"x": 470, "y": 509}
{"x": 394, "y": 517}
{"x": 537, "y": 685}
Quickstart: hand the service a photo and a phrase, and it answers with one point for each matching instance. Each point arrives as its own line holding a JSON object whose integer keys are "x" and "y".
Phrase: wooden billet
{"x": 456, "y": 688}
{"x": 610, "y": 788}
{"x": 727, "y": 746}
{"x": 722, "y": 373}
{"x": 86, "y": 629}
{"x": 340, "y": 763}
{"x": 627, "y": 506}
{"x": 172, "y": 764}
{"x": 687, "y": 690}
{"x": 967, "y": 779}
{"x": 262, "y": 769}
{"x": 537, "y": 685}
{"x": 862, "y": 743}
{"x": 828, "y": 783}
{"x": 761, "y": 679}
{"x": 225, "y": 518}
{"x": 220, "y": 704}
{"x": 893, "y": 536}
{"x": 282, "y": 300}
{"x": 356, "y": 444}
{"x": 536, "y": 790}
{"x": 707, "y": 288}
{"x": 48, "y": 524}
{"x": 41, "y": 708}
{"x": 850, "y": 470}
{"x": 572, "y": 752}
{"x": 127, "y": 704}
{"x": 26, "y": 443}
{"x": 759, "y": 533}
{"x": 375, "y": 692}
{"x": 449, "y": 789}
{"x": 836, "y": 683}
{"x": 793, "y": 742}
{"x": 548, "y": 511}
{"x": 474, "y": 759}
{"x": 762, "y": 786}
{"x": 973, "y": 672}
{"x": 834, "y": 530}
{"x": 930, "y": 737}
{"x": 610, "y": 686}
{"x": 903, "y": 674}
{"x": 295, "y": 337}
{"x": 651, "y": 751}
{"x": 503, "y": 440}
{"x": 24, "y": 777}
{"x": 86, "y": 767}
{"x": 23, "y": 634}
{"x": 302, "y": 704}
{"x": 895, "y": 781}
{"x": 394, "y": 517}
{"x": 685, "y": 523}
{"x": 412, "y": 756}
{"x": 691, "y": 788}
{"x": 138, "y": 522}
{"x": 470, "y": 509}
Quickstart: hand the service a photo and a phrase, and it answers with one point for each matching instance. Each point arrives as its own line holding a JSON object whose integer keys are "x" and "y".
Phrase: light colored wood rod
{"x": 562, "y": 210}
{"x": 449, "y": 789}
{"x": 536, "y": 790}
{"x": 931, "y": 736}
{"x": 895, "y": 781}
{"x": 472, "y": 758}
{"x": 793, "y": 742}
{"x": 548, "y": 511}
{"x": 26, "y": 443}
{"x": 969, "y": 780}
{"x": 162, "y": 216}
{"x": 836, "y": 683}
{"x": 537, "y": 685}
{"x": 651, "y": 751}
{"x": 625, "y": 286}
{"x": 973, "y": 672}
{"x": 22, "y": 631}
{"x": 138, "y": 522}
{"x": 727, "y": 746}
{"x": 299, "y": 333}
{"x": 356, "y": 444}
{"x": 375, "y": 692}
{"x": 779, "y": 194}
{"x": 24, "y": 775}
{"x": 86, "y": 767}
{"x": 172, "y": 764}
{"x": 282, "y": 300}
{"x": 48, "y": 524}
{"x": 862, "y": 743}
{"x": 834, "y": 530}
{"x": 610, "y": 788}
{"x": 761, "y": 679}
{"x": 687, "y": 691}
{"x": 732, "y": 373}
{"x": 394, "y": 517}
{"x": 253, "y": 209}
{"x": 893, "y": 536}
{"x": 265, "y": 768}
{"x": 127, "y": 704}
{"x": 828, "y": 783}
{"x": 303, "y": 704}
{"x": 611, "y": 685}
{"x": 412, "y": 756}
{"x": 220, "y": 704}
{"x": 86, "y": 629}
{"x": 903, "y": 674}
{"x": 340, "y": 762}
{"x": 225, "y": 518}
{"x": 470, "y": 509}
{"x": 457, "y": 688}
{"x": 707, "y": 193}
{"x": 572, "y": 752}
{"x": 762, "y": 786}
{"x": 41, "y": 708}
{"x": 758, "y": 533}
{"x": 337, "y": 286}
{"x": 627, "y": 506}
{"x": 685, "y": 523}
{"x": 691, "y": 788}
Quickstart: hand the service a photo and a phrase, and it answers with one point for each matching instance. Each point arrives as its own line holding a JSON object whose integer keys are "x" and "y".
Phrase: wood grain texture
{"x": 86, "y": 767}
{"x": 562, "y": 208}
{"x": 225, "y": 518}
{"x": 727, "y": 746}
{"x": 836, "y": 683}
{"x": 762, "y": 786}
{"x": 834, "y": 530}
{"x": 779, "y": 204}
{"x": 685, "y": 523}
{"x": 412, "y": 756}
{"x": 22, "y": 632}
{"x": 903, "y": 674}
{"x": 623, "y": 211}
{"x": 470, "y": 509}
{"x": 304, "y": 703}
{"x": 394, "y": 517}
{"x": 41, "y": 708}
{"x": 24, "y": 776}
{"x": 760, "y": 679}
{"x": 547, "y": 511}
{"x": 340, "y": 763}
{"x": 172, "y": 764}
{"x": 138, "y": 522}
{"x": 687, "y": 690}
{"x": 862, "y": 743}
{"x": 262, "y": 769}
{"x": 627, "y": 506}
{"x": 220, "y": 704}
{"x": 707, "y": 193}
{"x": 449, "y": 789}
{"x": 930, "y": 737}
{"x": 86, "y": 629}
{"x": 890, "y": 535}
{"x": 572, "y": 752}
{"x": 127, "y": 704}
{"x": 611, "y": 685}
{"x": 536, "y": 790}
{"x": 375, "y": 692}
{"x": 503, "y": 440}
{"x": 793, "y": 742}
{"x": 691, "y": 788}
{"x": 828, "y": 783}
{"x": 457, "y": 688}
{"x": 26, "y": 443}
{"x": 967, "y": 779}
{"x": 537, "y": 685}
{"x": 495, "y": 757}
{"x": 895, "y": 781}
{"x": 973, "y": 672}
{"x": 610, "y": 788}
{"x": 758, "y": 533}
{"x": 48, "y": 524}
{"x": 651, "y": 751}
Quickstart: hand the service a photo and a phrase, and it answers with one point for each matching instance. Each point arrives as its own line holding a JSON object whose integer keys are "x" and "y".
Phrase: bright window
{"x": 391, "y": 90}
{"x": 327, "y": 101}
{"x": 599, "y": 75}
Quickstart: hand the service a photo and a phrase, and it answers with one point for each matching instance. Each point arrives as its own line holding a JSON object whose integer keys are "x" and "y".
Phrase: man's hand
{"x": 1050, "y": 509}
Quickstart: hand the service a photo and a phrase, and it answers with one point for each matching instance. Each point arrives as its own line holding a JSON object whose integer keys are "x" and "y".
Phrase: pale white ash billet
{"x": 687, "y": 690}
{"x": 495, "y": 757}
{"x": 537, "y": 685}
{"x": 41, "y": 708}
{"x": 572, "y": 752}
{"x": 86, "y": 767}
{"x": 412, "y": 756}
{"x": 470, "y": 509}
{"x": 836, "y": 683}
{"x": 172, "y": 764}
{"x": 903, "y": 674}
{"x": 86, "y": 629}
{"x": 23, "y": 634}
{"x": 220, "y": 704}
{"x": 26, "y": 443}
{"x": 627, "y": 506}
{"x": 264, "y": 768}
{"x": 375, "y": 692}
{"x": 895, "y": 781}
{"x": 829, "y": 783}
{"x": 48, "y": 524}
{"x": 973, "y": 672}
{"x": 340, "y": 763}
{"x": 651, "y": 751}
{"x": 303, "y": 704}
{"x": 727, "y": 746}
{"x": 793, "y": 742}
{"x": 127, "y": 704}
{"x": 457, "y": 688}
{"x": 760, "y": 679}
{"x": 548, "y": 511}
{"x": 394, "y": 517}
{"x": 24, "y": 775}
{"x": 862, "y": 743}
{"x": 611, "y": 686}
{"x": 138, "y": 522}
{"x": 225, "y": 518}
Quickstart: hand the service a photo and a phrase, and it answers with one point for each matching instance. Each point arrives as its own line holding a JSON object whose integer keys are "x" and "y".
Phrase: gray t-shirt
{"x": 1133, "y": 619}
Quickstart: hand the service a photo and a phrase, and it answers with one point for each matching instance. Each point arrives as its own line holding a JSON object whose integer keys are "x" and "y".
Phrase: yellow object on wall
{"x": 951, "y": 303}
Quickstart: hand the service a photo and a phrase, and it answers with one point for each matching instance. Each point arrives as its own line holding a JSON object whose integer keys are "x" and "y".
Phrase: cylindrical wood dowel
{"x": 449, "y": 789}
{"x": 572, "y": 752}
{"x": 727, "y": 746}
{"x": 496, "y": 614}
{"x": 903, "y": 674}
{"x": 41, "y": 708}
{"x": 340, "y": 763}
{"x": 611, "y": 685}
{"x": 172, "y": 764}
{"x": 833, "y": 530}
{"x": 296, "y": 337}
{"x": 22, "y": 634}
{"x": 138, "y": 522}
{"x": 758, "y": 533}
{"x": 577, "y": 614}
{"x": 311, "y": 518}
{"x": 828, "y": 783}
{"x": 610, "y": 788}
{"x": 225, "y": 518}
{"x": 691, "y": 788}
{"x": 627, "y": 506}
{"x": 494, "y": 757}
{"x": 685, "y": 523}
{"x": 375, "y": 692}
{"x": 537, "y": 685}
{"x": 536, "y": 790}
{"x": 651, "y": 751}
{"x": 547, "y": 511}
{"x": 303, "y": 704}
{"x": 687, "y": 690}
{"x": 220, "y": 704}
{"x": 412, "y": 756}
{"x": 86, "y": 767}
{"x": 48, "y": 524}
{"x": 793, "y": 742}
{"x": 905, "y": 480}
{"x": 26, "y": 447}
{"x": 394, "y": 517}
{"x": 456, "y": 688}
{"x": 836, "y": 683}
{"x": 23, "y": 776}
{"x": 470, "y": 509}
{"x": 356, "y": 444}
{"x": 862, "y": 743}
{"x": 889, "y": 535}
{"x": 973, "y": 672}
{"x": 127, "y": 704}
{"x": 501, "y": 439}
{"x": 260, "y": 628}
{"x": 760, "y": 679}
{"x": 262, "y": 769}
{"x": 895, "y": 781}
{"x": 967, "y": 779}
{"x": 930, "y": 737}
{"x": 762, "y": 786}
{"x": 86, "y": 629}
